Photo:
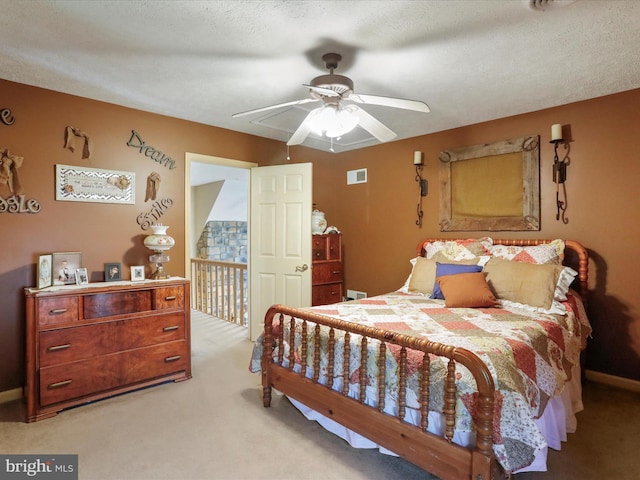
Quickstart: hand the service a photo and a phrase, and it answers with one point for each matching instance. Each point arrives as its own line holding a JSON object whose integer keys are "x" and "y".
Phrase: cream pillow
{"x": 423, "y": 276}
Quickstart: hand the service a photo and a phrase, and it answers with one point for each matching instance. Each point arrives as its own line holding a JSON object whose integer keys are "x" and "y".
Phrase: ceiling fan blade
{"x": 390, "y": 102}
{"x": 271, "y": 107}
{"x": 372, "y": 125}
{"x": 302, "y": 132}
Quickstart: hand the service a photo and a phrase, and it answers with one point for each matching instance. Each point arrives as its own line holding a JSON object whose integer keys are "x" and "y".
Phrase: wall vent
{"x": 357, "y": 176}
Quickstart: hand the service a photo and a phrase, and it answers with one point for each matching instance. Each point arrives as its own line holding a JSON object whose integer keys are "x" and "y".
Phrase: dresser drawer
{"x": 77, "y": 343}
{"x": 57, "y": 311}
{"x": 116, "y": 303}
{"x": 168, "y": 297}
{"x": 74, "y": 380}
{"x": 326, "y": 272}
{"x": 326, "y": 247}
{"x": 326, "y": 294}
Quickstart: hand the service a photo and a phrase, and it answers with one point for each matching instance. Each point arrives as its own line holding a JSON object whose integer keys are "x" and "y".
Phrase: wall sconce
{"x": 423, "y": 185}
{"x": 559, "y": 173}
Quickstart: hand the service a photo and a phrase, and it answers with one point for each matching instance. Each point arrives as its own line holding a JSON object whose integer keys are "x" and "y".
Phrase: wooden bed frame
{"x": 435, "y": 454}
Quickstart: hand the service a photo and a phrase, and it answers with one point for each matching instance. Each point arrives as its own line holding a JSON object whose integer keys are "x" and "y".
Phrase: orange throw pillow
{"x": 466, "y": 290}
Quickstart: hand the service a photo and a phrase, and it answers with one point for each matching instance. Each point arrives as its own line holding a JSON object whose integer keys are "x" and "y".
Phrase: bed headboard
{"x": 575, "y": 256}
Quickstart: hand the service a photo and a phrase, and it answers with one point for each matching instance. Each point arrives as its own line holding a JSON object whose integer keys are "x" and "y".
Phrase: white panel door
{"x": 280, "y": 245}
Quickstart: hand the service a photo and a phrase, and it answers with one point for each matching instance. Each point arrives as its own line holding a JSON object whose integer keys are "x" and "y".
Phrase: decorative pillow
{"x": 466, "y": 290}
{"x": 459, "y": 249}
{"x": 423, "y": 276}
{"x": 537, "y": 285}
{"x": 546, "y": 253}
{"x": 444, "y": 269}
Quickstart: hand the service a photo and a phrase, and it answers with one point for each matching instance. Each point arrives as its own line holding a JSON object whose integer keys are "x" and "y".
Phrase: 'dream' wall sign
{"x": 154, "y": 154}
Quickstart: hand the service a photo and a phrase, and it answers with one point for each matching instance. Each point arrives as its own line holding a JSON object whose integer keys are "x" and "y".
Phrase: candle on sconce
{"x": 417, "y": 158}
{"x": 556, "y": 132}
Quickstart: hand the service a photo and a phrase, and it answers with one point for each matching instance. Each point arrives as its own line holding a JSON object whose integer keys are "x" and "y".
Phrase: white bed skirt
{"x": 558, "y": 420}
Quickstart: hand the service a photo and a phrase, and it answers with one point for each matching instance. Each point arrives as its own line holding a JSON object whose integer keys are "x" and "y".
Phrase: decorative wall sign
{"x": 491, "y": 187}
{"x": 81, "y": 184}
{"x": 158, "y": 209}
{"x": 157, "y": 156}
{"x": 6, "y": 117}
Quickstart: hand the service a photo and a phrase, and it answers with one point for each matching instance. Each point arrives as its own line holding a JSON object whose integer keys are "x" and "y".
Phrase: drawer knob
{"x": 57, "y": 311}
{"x": 336, "y": 272}
{"x": 56, "y": 348}
{"x": 172, "y": 359}
{"x": 171, "y": 328}
{"x": 64, "y": 383}
{"x": 170, "y": 297}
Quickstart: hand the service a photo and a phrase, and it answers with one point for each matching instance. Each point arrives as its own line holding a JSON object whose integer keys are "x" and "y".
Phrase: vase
{"x": 318, "y": 222}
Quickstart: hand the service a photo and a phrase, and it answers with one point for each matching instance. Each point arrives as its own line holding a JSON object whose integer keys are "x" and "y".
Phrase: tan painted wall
{"x": 376, "y": 218}
{"x": 102, "y": 232}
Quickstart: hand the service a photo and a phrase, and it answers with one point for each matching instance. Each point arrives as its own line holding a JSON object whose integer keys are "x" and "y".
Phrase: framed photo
{"x": 112, "y": 272}
{"x": 65, "y": 265}
{"x": 44, "y": 271}
{"x": 81, "y": 276}
{"x": 82, "y": 184}
{"x": 137, "y": 273}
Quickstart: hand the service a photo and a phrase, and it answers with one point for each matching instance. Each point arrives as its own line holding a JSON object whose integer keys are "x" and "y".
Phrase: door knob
{"x": 302, "y": 268}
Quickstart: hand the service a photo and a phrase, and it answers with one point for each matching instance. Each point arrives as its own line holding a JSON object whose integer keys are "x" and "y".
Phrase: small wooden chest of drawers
{"x": 327, "y": 275}
{"x": 91, "y": 342}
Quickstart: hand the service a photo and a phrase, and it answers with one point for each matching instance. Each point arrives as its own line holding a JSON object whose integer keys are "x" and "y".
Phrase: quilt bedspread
{"x": 530, "y": 356}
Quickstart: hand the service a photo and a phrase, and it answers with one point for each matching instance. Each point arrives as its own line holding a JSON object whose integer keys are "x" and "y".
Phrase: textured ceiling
{"x": 469, "y": 60}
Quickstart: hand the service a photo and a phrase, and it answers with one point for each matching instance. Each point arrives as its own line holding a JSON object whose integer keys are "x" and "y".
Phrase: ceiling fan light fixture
{"x": 332, "y": 120}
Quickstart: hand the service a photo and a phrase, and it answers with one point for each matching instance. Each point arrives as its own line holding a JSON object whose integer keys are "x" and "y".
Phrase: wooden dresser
{"x": 327, "y": 275}
{"x": 93, "y": 341}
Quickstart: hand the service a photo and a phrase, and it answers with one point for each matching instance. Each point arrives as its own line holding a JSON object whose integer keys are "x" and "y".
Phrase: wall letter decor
{"x": 6, "y": 117}
{"x": 157, "y": 156}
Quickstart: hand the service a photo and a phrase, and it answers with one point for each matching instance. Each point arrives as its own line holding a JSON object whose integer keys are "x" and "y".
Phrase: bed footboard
{"x": 435, "y": 454}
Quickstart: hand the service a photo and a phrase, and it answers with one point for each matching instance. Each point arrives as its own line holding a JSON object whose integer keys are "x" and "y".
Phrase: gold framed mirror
{"x": 491, "y": 187}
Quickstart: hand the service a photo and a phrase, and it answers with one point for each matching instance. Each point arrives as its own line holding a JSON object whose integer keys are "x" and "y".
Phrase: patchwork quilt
{"x": 530, "y": 356}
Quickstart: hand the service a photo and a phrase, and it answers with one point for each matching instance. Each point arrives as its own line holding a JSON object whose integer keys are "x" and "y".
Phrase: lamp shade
{"x": 332, "y": 120}
{"x": 159, "y": 241}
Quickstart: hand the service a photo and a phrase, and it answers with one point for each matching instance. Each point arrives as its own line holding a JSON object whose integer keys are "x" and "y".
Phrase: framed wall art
{"x": 44, "y": 271}
{"x": 491, "y": 187}
{"x": 137, "y": 273}
{"x": 82, "y": 278}
{"x": 112, "y": 272}
{"x": 82, "y": 184}
{"x": 65, "y": 265}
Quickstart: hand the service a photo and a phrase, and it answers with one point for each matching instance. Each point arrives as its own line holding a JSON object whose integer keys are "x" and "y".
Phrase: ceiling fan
{"x": 339, "y": 113}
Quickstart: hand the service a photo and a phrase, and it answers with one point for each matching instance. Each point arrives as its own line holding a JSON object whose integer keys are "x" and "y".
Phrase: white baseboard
{"x": 10, "y": 395}
{"x": 620, "y": 382}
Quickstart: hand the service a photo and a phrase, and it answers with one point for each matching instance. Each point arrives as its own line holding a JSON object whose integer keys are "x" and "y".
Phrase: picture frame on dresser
{"x": 44, "y": 271}
{"x": 64, "y": 267}
{"x": 82, "y": 278}
{"x": 112, "y": 272}
{"x": 137, "y": 273}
